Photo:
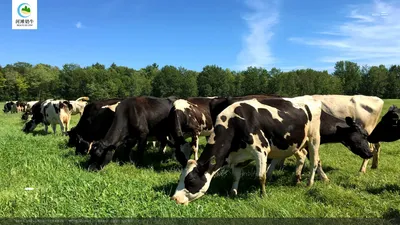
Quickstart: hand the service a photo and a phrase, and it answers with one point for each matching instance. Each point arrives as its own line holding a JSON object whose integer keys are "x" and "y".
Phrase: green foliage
{"x": 63, "y": 189}
{"x": 23, "y": 81}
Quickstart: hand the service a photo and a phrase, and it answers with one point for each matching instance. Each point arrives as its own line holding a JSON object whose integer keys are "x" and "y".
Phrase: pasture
{"x": 62, "y": 188}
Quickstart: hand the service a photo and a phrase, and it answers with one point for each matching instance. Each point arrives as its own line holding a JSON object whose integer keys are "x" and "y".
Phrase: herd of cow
{"x": 239, "y": 130}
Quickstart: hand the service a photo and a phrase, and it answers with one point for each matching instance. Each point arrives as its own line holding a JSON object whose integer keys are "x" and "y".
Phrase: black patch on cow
{"x": 352, "y": 100}
{"x": 223, "y": 118}
{"x": 367, "y": 108}
{"x": 308, "y": 113}
{"x": 194, "y": 181}
{"x": 258, "y": 148}
{"x": 56, "y": 109}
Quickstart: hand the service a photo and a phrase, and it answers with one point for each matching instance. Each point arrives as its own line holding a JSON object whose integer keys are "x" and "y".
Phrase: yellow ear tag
{"x": 213, "y": 160}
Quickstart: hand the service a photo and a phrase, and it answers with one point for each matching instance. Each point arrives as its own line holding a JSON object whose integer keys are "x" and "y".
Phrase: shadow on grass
{"x": 153, "y": 159}
{"x": 39, "y": 132}
{"x": 393, "y": 215}
{"x": 392, "y": 188}
{"x": 222, "y": 182}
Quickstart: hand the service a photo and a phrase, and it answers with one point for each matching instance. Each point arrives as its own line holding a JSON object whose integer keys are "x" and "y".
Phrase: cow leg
{"x": 237, "y": 173}
{"x": 271, "y": 168}
{"x": 375, "y": 159}
{"x": 313, "y": 146}
{"x": 261, "y": 167}
{"x": 141, "y": 148}
{"x": 195, "y": 145}
{"x": 46, "y": 128}
{"x": 300, "y": 160}
{"x": 54, "y": 128}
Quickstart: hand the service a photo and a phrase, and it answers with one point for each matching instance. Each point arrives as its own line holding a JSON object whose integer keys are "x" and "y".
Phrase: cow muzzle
{"x": 180, "y": 199}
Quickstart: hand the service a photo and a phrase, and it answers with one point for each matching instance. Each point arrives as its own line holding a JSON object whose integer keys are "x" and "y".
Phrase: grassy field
{"x": 62, "y": 188}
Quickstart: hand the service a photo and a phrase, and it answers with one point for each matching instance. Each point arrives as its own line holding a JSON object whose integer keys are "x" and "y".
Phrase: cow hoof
{"x": 374, "y": 167}
{"x": 233, "y": 193}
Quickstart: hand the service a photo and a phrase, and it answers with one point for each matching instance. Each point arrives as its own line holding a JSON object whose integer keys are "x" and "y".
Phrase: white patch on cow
{"x": 182, "y": 105}
{"x": 258, "y": 105}
{"x": 111, "y": 107}
{"x": 229, "y": 113}
{"x": 182, "y": 195}
{"x": 286, "y": 135}
{"x": 211, "y": 139}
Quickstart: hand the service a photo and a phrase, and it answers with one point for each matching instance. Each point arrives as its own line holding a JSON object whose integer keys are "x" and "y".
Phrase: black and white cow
{"x": 10, "y": 107}
{"x": 189, "y": 118}
{"x": 50, "y": 112}
{"x": 251, "y": 130}
{"x": 28, "y": 110}
{"x": 365, "y": 110}
{"x": 388, "y": 129}
{"x": 93, "y": 125}
{"x": 136, "y": 120}
{"x": 335, "y": 130}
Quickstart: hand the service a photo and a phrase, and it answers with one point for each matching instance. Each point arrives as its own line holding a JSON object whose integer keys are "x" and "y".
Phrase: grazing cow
{"x": 21, "y": 106}
{"x": 79, "y": 105}
{"x": 50, "y": 112}
{"x": 192, "y": 118}
{"x": 10, "y": 107}
{"x": 93, "y": 125}
{"x": 335, "y": 130}
{"x": 251, "y": 130}
{"x": 28, "y": 110}
{"x": 365, "y": 110}
{"x": 388, "y": 129}
{"x": 137, "y": 119}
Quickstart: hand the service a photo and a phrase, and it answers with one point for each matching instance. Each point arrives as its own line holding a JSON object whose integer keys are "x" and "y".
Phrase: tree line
{"x": 24, "y": 81}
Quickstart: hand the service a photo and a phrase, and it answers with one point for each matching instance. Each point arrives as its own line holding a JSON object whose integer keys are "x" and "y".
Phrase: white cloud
{"x": 256, "y": 50}
{"x": 79, "y": 25}
{"x": 371, "y": 35}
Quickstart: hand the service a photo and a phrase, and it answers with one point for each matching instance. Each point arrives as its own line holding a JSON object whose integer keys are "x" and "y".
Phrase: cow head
{"x": 73, "y": 137}
{"x": 99, "y": 153}
{"x": 193, "y": 183}
{"x": 355, "y": 137}
{"x": 29, "y": 126}
{"x": 388, "y": 129}
{"x": 25, "y": 116}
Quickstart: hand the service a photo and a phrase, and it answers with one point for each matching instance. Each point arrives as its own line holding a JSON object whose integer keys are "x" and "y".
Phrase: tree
{"x": 350, "y": 76}
{"x": 214, "y": 81}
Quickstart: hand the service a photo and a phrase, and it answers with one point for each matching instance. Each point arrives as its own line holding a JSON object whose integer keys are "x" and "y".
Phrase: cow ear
{"x": 60, "y": 105}
{"x": 349, "y": 121}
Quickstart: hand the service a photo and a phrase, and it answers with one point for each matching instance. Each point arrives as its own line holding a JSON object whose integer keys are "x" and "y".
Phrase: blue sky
{"x": 287, "y": 34}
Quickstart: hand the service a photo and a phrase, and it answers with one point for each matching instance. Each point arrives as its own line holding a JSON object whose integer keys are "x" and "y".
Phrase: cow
{"x": 365, "y": 110}
{"x": 251, "y": 130}
{"x": 388, "y": 129}
{"x": 28, "y": 110}
{"x": 21, "y": 106}
{"x": 93, "y": 125}
{"x": 50, "y": 112}
{"x": 335, "y": 130}
{"x": 78, "y": 105}
{"x": 137, "y": 120}
{"x": 10, "y": 107}
{"x": 189, "y": 117}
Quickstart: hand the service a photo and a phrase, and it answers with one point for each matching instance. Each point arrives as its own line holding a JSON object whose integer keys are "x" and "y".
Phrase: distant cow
{"x": 365, "y": 110}
{"x": 28, "y": 110}
{"x": 93, "y": 125}
{"x": 21, "y": 106}
{"x": 50, "y": 112}
{"x": 136, "y": 120}
{"x": 79, "y": 105}
{"x": 10, "y": 107}
{"x": 251, "y": 130}
{"x": 388, "y": 129}
{"x": 190, "y": 117}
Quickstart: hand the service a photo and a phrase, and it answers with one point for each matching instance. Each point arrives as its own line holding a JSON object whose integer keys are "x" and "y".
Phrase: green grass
{"x": 63, "y": 189}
